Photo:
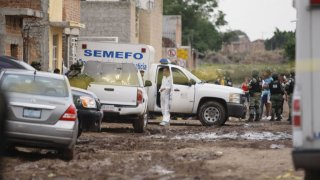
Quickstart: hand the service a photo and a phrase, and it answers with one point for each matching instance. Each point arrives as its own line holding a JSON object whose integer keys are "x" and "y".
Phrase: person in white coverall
{"x": 165, "y": 96}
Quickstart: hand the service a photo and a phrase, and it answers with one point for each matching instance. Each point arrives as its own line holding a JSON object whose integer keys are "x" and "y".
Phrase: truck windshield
{"x": 192, "y": 76}
{"x": 120, "y": 74}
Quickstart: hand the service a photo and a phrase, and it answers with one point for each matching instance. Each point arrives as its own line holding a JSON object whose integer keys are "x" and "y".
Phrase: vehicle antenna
{"x": 34, "y": 75}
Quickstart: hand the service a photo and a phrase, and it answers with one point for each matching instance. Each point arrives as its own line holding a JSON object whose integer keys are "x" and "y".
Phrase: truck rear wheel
{"x": 212, "y": 113}
{"x": 312, "y": 175}
{"x": 67, "y": 154}
{"x": 97, "y": 125}
{"x": 140, "y": 124}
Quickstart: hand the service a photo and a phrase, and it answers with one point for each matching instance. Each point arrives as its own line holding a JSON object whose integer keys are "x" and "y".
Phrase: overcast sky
{"x": 258, "y": 18}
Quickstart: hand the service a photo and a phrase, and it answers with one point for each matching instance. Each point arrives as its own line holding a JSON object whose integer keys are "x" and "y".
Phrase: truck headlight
{"x": 234, "y": 98}
{"x": 88, "y": 102}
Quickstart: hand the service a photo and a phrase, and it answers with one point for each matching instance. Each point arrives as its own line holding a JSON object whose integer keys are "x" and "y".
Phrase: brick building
{"x": 130, "y": 21}
{"x": 33, "y": 30}
{"x": 12, "y": 15}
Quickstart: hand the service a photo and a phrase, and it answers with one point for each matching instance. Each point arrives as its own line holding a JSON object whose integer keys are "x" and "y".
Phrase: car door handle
{"x": 108, "y": 89}
{"x": 177, "y": 90}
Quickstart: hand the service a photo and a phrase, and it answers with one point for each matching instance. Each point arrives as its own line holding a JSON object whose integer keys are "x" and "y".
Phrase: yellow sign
{"x": 182, "y": 54}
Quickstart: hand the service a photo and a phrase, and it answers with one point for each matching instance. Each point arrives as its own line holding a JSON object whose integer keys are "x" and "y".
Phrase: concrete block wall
{"x": 32, "y": 4}
{"x": 108, "y": 19}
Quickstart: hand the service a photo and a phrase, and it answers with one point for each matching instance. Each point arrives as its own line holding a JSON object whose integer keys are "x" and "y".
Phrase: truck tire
{"x": 312, "y": 175}
{"x": 97, "y": 126}
{"x": 140, "y": 123}
{"x": 212, "y": 113}
{"x": 79, "y": 131}
{"x": 67, "y": 154}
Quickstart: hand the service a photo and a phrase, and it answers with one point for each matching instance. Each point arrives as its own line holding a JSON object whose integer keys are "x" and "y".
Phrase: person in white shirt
{"x": 165, "y": 96}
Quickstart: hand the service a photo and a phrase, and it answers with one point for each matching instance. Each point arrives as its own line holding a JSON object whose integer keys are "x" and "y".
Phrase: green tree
{"x": 282, "y": 40}
{"x": 231, "y": 36}
{"x": 290, "y": 49}
{"x": 279, "y": 39}
{"x": 200, "y": 22}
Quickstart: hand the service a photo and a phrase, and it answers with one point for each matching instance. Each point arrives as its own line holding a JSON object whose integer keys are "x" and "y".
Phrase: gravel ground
{"x": 184, "y": 150}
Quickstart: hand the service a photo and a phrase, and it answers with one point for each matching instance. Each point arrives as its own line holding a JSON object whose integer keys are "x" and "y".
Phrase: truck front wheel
{"x": 212, "y": 113}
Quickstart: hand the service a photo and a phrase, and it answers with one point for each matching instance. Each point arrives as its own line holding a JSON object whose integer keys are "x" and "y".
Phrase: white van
{"x": 306, "y": 98}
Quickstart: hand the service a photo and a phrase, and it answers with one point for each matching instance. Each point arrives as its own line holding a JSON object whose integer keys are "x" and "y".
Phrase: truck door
{"x": 183, "y": 92}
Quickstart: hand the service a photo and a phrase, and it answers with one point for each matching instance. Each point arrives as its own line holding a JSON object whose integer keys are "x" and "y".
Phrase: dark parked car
{"x": 89, "y": 110}
{"x": 8, "y": 62}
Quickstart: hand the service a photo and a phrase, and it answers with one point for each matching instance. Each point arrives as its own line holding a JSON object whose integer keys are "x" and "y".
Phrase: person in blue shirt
{"x": 265, "y": 95}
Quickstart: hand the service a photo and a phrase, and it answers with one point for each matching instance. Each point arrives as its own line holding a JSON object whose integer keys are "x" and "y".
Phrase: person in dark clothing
{"x": 229, "y": 82}
{"x": 277, "y": 92}
{"x": 289, "y": 89}
{"x": 56, "y": 71}
{"x": 255, "y": 87}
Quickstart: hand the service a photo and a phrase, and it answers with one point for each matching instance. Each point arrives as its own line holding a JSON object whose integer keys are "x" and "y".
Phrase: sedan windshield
{"x": 35, "y": 85}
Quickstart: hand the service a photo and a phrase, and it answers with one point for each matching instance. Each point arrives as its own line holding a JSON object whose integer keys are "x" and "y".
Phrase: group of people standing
{"x": 269, "y": 91}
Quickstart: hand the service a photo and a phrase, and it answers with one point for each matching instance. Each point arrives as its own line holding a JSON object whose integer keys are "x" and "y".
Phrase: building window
{"x": 14, "y": 50}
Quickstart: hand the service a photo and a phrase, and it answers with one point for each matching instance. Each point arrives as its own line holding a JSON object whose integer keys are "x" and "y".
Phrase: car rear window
{"x": 121, "y": 74}
{"x": 35, "y": 85}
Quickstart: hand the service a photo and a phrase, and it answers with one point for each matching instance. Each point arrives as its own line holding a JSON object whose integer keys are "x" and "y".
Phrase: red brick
{"x": 71, "y": 10}
{"x": 32, "y": 4}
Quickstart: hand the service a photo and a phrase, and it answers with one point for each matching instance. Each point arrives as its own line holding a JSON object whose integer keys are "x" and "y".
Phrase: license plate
{"x": 108, "y": 108}
{"x": 32, "y": 113}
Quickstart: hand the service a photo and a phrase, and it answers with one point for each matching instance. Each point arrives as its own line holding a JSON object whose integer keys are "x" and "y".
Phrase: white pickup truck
{"x": 213, "y": 104}
{"x": 116, "y": 80}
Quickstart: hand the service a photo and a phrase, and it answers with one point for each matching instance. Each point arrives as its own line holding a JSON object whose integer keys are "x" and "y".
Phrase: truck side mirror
{"x": 192, "y": 82}
{"x": 147, "y": 83}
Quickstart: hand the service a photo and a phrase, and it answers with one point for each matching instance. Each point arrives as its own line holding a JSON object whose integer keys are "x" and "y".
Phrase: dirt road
{"x": 185, "y": 150}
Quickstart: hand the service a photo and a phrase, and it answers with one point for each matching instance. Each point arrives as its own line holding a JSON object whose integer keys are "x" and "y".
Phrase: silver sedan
{"x": 41, "y": 110}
